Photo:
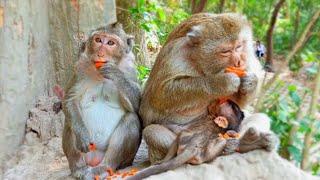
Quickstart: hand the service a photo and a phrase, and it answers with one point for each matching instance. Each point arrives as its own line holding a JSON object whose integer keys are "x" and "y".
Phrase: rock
{"x": 44, "y": 121}
{"x": 253, "y": 165}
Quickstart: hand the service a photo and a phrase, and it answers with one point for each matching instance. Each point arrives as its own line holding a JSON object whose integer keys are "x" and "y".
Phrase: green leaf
{"x": 295, "y": 153}
{"x": 161, "y": 15}
{"x": 295, "y": 98}
{"x": 292, "y": 87}
{"x": 304, "y": 127}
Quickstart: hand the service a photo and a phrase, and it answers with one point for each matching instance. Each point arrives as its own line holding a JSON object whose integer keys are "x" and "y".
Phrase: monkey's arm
{"x": 187, "y": 90}
{"x": 129, "y": 90}
{"x": 78, "y": 127}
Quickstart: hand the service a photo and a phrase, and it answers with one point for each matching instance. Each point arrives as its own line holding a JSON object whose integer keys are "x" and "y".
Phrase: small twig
{"x": 122, "y": 9}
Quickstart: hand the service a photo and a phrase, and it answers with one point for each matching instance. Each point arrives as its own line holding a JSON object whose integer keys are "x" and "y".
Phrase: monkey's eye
{"x": 110, "y": 43}
{"x": 226, "y": 52}
{"x": 98, "y": 40}
{"x": 238, "y": 47}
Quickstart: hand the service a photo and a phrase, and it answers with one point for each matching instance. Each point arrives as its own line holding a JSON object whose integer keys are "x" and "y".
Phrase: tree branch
{"x": 273, "y": 20}
{"x": 304, "y": 36}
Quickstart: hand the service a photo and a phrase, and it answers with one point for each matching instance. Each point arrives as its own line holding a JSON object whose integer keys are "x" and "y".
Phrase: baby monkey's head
{"x": 231, "y": 111}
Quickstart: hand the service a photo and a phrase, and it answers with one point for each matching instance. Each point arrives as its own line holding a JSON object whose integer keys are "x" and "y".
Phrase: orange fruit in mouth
{"x": 99, "y": 64}
{"x": 238, "y": 71}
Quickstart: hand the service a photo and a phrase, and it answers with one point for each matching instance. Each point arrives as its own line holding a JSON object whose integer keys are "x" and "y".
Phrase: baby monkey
{"x": 201, "y": 140}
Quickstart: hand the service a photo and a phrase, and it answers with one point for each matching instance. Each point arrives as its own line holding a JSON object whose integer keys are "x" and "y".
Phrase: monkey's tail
{"x": 165, "y": 166}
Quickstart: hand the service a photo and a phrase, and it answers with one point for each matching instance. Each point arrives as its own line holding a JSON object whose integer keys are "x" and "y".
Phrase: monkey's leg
{"x": 159, "y": 139}
{"x": 77, "y": 165}
{"x": 256, "y": 134}
{"x": 172, "y": 152}
{"x": 213, "y": 150}
{"x": 124, "y": 142}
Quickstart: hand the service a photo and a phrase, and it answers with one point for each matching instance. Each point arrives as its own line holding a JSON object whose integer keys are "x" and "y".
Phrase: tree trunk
{"x": 39, "y": 46}
{"x": 131, "y": 26}
{"x": 308, "y": 138}
{"x": 221, "y": 6}
{"x": 295, "y": 27}
{"x": 197, "y": 8}
{"x": 269, "y": 58}
{"x": 304, "y": 36}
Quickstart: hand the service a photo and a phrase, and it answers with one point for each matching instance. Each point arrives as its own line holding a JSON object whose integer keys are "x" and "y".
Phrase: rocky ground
{"x": 41, "y": 157}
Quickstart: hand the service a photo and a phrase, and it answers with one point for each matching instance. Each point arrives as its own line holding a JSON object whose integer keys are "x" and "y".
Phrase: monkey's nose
{"x": 100, "y": 54}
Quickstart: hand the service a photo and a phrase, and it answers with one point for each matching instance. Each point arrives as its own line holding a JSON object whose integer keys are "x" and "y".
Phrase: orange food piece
{"x": 99, "y": 64}
{"x": 134, "y": 170}
{"x": 227, "y": 136}
{"x": 92, "y": 147}
{"x": 96, "y": 177}
{"x": 238, "y": 71}
{"x": 109, "y": 178}
{"x": 221, "y": 121}
{"x": 110, "y": 171}
{"x": 223, "y": 100}
{"x": 125, "y": 174}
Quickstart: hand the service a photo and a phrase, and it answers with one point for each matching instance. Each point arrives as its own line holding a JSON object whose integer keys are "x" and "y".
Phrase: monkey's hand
{"x": 225, "y": 84}
{"x": 248, "y": 84}
{"x": 111, "y": 71}
{"x": 129, "y": 90}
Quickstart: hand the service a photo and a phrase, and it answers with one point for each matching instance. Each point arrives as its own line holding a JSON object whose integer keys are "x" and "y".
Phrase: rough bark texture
{"x": 308, "y": 139}
{"x": 273, "y": 20}
{"x": 132, "y": 27}
{"x": 198, "y": 7}
{"x": 39, "y": 45}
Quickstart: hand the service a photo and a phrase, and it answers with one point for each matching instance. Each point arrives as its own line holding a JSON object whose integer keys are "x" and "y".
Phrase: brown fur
{"x": 188, "y": 76}
{"x": 199, "y": 141}
{"x": 115, "y": 80}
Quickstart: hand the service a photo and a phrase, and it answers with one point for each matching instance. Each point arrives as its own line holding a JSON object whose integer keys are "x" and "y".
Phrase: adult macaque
{"x": 200, "y": 142}
{"x": 189, "y": 75}
{"x": 102, "y": 128}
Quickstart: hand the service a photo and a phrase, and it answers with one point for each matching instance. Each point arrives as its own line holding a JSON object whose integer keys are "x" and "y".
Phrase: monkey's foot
{"x": 84, "y": 173}
{"x": 252, "y": 139}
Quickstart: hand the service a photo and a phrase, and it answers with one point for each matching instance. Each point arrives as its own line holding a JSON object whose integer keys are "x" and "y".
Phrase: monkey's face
{"x": 232, "y": 53}
{"x": 105, "y": 48}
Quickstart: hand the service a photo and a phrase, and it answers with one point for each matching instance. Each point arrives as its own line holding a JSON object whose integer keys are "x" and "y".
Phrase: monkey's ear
{"x": 194, "y": 35}
{"x": 130, "y": 43}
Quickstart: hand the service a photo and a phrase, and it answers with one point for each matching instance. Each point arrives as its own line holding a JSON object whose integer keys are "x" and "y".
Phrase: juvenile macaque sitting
{"x": 200, "y": 142}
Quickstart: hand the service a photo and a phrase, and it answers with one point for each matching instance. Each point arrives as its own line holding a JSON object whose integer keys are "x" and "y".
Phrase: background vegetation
{"x": 290, "y": 31}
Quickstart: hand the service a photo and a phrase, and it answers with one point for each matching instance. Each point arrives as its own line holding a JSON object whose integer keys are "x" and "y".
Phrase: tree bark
{"x": 221, "y": 6}
{"x": 304, "y": 36}
{"x": 308, "y": 138}
{"x": 269, "y": 58}
{"x": 295, "y": 27}
{"x": 39, "y": 47}
{"x": 131, "y": 26}
{"x": 197, "y": 8}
